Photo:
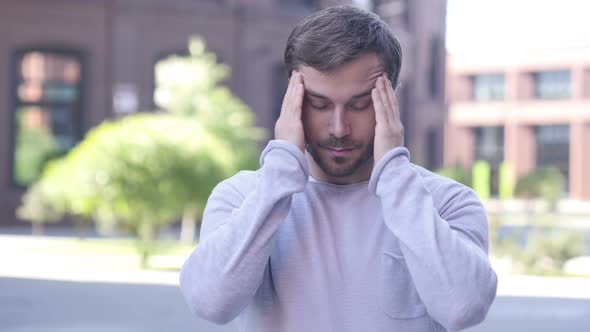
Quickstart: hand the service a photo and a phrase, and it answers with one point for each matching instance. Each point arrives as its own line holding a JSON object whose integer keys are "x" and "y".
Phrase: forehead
{"x": 345, "y": 81}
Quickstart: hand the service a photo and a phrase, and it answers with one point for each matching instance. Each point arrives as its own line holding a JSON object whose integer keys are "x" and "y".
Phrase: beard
{"x": 339, "y": 166}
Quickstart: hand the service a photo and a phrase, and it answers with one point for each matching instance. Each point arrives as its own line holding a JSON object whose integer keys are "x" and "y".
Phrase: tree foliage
{"x": 547, "y": 183}
{"x": 457, "y": 173}
{"x": 191, "y": 86}
{"x": 143, "y": 171}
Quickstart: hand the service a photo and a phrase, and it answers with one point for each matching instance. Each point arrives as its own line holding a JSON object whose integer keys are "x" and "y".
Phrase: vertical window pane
{"x": 435, "y": 67}
{"x": 488, "y": 87}
{"x": 552, "y": 84}
{"x": 47, "y": 111}
{"x": 553, "y": 147}
{"x": 35, "y": 144}
{"x": 489, "y": 144}
{"x": 305, "y": 3}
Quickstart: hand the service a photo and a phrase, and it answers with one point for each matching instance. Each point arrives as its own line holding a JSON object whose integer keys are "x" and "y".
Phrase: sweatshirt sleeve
{"x": 444, "y": 244}
{"x": 221, "y": 276}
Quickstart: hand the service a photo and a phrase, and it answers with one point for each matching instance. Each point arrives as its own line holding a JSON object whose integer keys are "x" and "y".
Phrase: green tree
{"x": 546, "y": 182}
{"x": 33, "y": 148}
{"x": 457, "y": 173}
{"x": 158, "y": 167}
{"x": 143, "y": 171}
{"x": 37, "y": 207}
{"x": 191, "y": 86}
{"x": 139, "y": 173}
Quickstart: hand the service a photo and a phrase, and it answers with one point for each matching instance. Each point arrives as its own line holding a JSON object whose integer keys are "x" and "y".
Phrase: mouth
{"x": 339, "y": 152}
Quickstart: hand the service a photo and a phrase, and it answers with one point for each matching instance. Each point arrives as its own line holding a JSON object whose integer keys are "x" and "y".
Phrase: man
{"x": 337, "y": 230}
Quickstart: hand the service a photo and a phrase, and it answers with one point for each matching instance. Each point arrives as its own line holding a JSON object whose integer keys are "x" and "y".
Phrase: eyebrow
{"x": 317, "y": 95}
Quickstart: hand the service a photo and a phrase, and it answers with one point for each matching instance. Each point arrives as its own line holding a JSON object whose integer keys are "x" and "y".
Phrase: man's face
{"x": 339, "y": 120}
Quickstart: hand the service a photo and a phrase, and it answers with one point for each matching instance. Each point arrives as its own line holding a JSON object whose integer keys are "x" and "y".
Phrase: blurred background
{"x": 118, "y": 117}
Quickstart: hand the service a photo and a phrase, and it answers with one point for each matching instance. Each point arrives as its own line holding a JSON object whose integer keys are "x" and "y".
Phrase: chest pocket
{"x": 398, "y": 297}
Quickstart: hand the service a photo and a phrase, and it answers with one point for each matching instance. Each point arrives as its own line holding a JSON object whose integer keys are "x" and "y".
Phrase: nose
{"x": 340, "y": 126}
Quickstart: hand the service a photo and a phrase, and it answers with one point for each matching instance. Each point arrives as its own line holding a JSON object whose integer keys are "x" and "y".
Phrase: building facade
{"x": 67, "y": 65}
{"x": 530, "y": 110}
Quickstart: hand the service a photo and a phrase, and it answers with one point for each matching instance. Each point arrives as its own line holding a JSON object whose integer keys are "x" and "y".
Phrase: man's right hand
{"x": 289, "y": 126}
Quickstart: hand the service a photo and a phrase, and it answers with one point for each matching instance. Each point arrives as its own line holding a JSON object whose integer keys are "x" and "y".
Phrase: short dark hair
{"x": 334, "y": 36}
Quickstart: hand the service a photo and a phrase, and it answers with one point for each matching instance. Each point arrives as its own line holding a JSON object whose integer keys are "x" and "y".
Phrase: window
{"x": 489, "y": 144}
{"x": 552, "y": 84}
{"x": 304, "y": 3}
{"x": 435, "y": 67}
{"x": 432, "y": 149}
{"x": 396, "y": 11}
{"x": 553, "y": 147}
{"x": 488, "y": 87}
{"x": 47, "y": 92}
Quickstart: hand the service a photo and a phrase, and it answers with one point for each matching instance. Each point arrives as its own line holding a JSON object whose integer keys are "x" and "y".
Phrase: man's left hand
{"x": 389, "y": 131}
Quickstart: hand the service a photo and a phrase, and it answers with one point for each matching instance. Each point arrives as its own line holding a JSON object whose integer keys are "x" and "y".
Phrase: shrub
{"x": 547, "y": 183}
{"x": 457, "y": 173}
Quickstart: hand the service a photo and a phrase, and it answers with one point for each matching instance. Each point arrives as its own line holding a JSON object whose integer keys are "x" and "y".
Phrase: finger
{"x": 289, "y": 91}
{"x": 391, "y": 106}
{"x": 292, "y": 83}
{"x": 384, "y": 100}
{"x": 298, "y": 99}
{"x": 392, "y": 98}
{"x": 378, "y": 106}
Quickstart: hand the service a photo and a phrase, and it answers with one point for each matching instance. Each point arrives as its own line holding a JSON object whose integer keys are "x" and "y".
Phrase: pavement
{"x": 20, "y": 260}
{"x": 31, "y": 305}
{"x": 539, "y": 314}
{"x": 52, "y": 294}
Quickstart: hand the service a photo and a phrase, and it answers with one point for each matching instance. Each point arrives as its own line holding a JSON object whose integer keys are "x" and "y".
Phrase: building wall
{"x": 521, "y": 111}
{"x": 420, "y": 25}
{"x": 63, "y": 23}
{"x": 123, "y": 39}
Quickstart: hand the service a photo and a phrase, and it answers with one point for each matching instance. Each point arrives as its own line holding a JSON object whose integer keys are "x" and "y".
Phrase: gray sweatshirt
{"x": 405, "y": 251}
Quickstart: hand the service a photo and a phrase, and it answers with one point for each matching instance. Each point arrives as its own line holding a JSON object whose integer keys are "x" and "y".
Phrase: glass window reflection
{"x": 47, "y": 110}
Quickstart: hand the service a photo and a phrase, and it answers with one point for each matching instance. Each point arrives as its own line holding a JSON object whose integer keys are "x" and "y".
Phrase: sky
{"x": 484, "y": 25}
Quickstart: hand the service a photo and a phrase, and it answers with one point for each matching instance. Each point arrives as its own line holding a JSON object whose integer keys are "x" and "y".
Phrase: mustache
{"x": 340, "y": 143}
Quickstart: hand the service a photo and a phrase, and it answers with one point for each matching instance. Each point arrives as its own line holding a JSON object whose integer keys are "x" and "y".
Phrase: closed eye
{"x": 361, "y": 106}
{"x": 318, "y": 105}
